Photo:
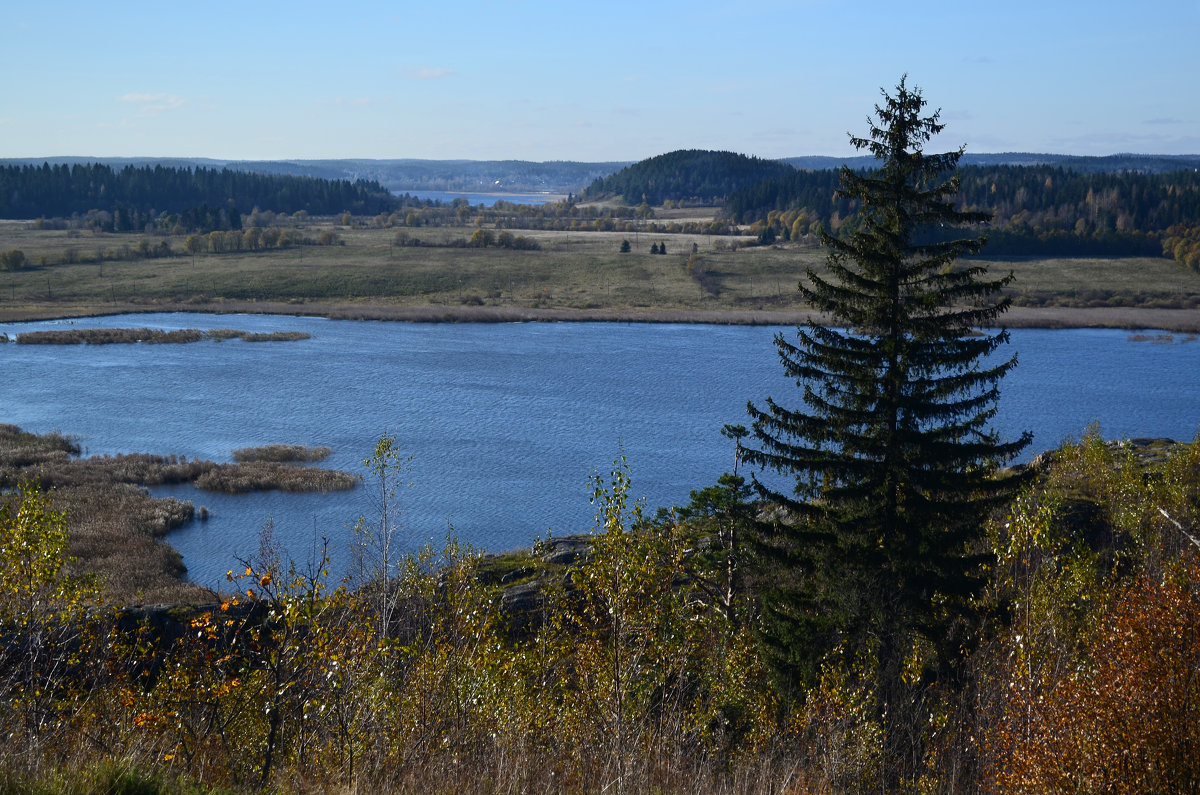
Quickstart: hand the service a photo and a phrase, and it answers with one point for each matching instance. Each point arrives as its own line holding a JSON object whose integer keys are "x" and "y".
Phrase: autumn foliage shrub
{"x": 1091, "y": 685}
{"x": 1125, "y": 717}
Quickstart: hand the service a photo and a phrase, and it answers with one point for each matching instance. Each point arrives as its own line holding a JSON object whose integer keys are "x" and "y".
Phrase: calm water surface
{"x": 506, "y": 423}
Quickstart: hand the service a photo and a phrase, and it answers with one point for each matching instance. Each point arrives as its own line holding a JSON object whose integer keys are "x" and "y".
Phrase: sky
{"x": 605, "y": 81}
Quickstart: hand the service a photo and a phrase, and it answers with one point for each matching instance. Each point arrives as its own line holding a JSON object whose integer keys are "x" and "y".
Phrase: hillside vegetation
{"x": 625, "y": 662}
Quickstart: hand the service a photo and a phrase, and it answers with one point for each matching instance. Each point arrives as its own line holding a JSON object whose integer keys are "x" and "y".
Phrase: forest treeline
{"x": 134, "y": 196}
{"x": 1036, "y": 210}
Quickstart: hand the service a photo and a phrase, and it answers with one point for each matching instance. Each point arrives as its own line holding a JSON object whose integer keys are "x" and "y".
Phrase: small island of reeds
{"x": 281, "y": 453}
{"x": 117, "y": 336}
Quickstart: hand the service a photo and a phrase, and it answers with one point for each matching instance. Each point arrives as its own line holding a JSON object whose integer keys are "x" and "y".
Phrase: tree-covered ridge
{"x": 688, "y": 175}
{"x": 62, "y": 191}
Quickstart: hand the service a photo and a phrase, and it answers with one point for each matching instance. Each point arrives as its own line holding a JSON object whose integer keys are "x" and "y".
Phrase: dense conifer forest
{"x": 62, "y": 191}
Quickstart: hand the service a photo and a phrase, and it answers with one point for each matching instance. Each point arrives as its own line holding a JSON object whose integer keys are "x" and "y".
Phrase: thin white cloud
{"x": 153, "y": 104}
{"x": 356, "y": 102}
{"x": 1164, "y": 121}
{"x": 430, "y": 73}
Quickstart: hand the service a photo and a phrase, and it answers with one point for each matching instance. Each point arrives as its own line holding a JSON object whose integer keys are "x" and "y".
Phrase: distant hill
{"x": 688, "y": 175}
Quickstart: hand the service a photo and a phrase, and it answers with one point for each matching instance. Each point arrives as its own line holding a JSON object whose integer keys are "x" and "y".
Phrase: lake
{"x": 505, "y": 422}
{"x": 486, "y": 199}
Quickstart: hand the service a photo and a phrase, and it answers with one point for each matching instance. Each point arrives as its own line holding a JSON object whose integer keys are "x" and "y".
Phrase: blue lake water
{"x": 506, "y": 422}
{"x": 486, "y": 199}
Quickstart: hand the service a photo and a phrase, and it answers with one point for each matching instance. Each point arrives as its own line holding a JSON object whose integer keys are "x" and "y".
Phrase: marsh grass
{"x": 570, "y": 272}
{"x": 116, "y": 526}
{"x": 282, "y": 453}
{"x": 241, "y": 478}
{"x": 118, "y": 336}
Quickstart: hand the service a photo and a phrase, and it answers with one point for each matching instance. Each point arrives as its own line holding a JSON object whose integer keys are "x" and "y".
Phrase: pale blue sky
{"x": 533, "y": 80}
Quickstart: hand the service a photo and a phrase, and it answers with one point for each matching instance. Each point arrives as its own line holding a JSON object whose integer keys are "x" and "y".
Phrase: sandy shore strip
{"x": 1132, "y": 318}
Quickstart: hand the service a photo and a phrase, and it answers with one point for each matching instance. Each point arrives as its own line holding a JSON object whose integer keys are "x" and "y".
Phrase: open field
{"x": 572, "y": 275}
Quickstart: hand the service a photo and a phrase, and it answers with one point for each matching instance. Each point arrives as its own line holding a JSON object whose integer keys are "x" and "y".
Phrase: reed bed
{"x": 20, "y": 449}
{"x": 269, "y": 475}
{"x": 222, "y": 334}
{"x": 115, "y": 535}
{"x": 126, "y": 336}
{"x": 55, "y": 469}
{"x": 116, "y": 526}
{"x": 281, "y": 453}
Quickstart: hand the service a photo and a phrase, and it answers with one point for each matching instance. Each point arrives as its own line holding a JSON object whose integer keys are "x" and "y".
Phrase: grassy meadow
{"x": 79, "y": 272}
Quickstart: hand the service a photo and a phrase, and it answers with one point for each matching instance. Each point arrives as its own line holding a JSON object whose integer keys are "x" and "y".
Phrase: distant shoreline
{"x": 1130, "y": 318}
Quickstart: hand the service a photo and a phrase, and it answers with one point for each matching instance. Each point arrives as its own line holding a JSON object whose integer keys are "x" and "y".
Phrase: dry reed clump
{"x": 281, "y": 453}
{"x": 56, "y": 469}
{"x": 222, "y": 334}
{"x": 20, "y": 449}
{"x": 107, "y": 336}
{"x": 267, "y": 475}
{"x": 274, "y": 336}
{"x": 116, "y": 336}
{"x": 135, "y": 468}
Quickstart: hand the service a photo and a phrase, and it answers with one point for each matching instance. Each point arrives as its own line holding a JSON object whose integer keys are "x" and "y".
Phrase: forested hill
{"x": 689, "y": 175}
{"x": 28, "y": 191}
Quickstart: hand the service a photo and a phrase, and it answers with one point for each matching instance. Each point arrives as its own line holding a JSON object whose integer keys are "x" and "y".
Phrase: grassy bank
{"x": 570, "y": 274}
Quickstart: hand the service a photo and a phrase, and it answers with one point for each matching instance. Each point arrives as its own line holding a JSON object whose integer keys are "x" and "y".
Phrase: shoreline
{"x": 1128, "y": 318}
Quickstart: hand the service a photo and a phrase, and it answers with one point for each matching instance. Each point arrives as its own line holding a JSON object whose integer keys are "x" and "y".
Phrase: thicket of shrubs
{"x": 633, "y": 669}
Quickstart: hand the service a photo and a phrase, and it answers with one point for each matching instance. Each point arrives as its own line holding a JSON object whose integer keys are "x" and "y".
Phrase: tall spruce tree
{"x": 894, "y": 462}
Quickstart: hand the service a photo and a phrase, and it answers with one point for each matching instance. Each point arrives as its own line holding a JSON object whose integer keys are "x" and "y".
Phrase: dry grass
{"x": 573, "y": 272}
{"x": 268, "y": 475}
{"x": 116, "y": 336}
{"x": 281, "y": 452}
